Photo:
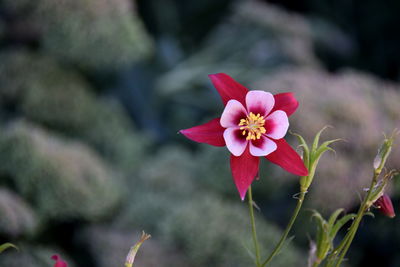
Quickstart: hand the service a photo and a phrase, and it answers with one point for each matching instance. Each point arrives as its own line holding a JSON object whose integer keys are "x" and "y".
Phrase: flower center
{"x": 253, "y": 126}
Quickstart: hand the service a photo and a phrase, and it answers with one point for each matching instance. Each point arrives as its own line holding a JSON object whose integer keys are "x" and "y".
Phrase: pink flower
{"x": 384, "y": 204}
{"x": 252, "y": 125}
{"x": 59, "y": 261}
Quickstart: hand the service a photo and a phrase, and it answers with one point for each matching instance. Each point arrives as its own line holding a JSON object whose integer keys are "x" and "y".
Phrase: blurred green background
{"x": 93, "y": 93}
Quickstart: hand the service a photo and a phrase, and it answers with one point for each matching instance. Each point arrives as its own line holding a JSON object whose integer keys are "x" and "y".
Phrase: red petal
{"x": 210, "y": 133}
{"x": 60, "y": 264}
{"x": 244, "y": 169}
{"x": 287, "y": 158}
{"x": 286, "y": 102}
{"x": 228, "y": 88}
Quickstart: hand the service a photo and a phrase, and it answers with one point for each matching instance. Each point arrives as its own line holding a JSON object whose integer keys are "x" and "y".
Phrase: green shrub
{"x": 212, "y": 232}
{"x": 42, "y": 91}
{"x": 93, "y": 34}
{"x": 61, "y": 179}
{"x": 17, "y": 217}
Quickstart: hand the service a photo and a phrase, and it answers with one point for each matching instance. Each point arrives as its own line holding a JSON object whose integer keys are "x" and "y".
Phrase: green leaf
{"x": 306, "y": 150}
{"x": 323, "y": 148}
{"x": 316, "y": 139}
{"x": 318, "y": 216}
{"x": 368, "y": 213}
{"x": 333, "y": 218}
{"x": 323, "y": 242}
{"x": 339, "y": 224}
{"x": 383, "y": 154}
{"x": 6, "y": 246}
{"x": 321, "y": 229}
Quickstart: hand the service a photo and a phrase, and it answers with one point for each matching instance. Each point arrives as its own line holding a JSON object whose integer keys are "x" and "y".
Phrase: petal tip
{"x": 286, "y": 102}
{"x": 214, "y": 76}
{"x": 228, "y": 88}
{"x": 209, "y": 133}
{"x": 183, "y": 132}
{"x": 288, "y": 159}
{"x": 304, "y": 172}
{"x": 244, "y": 170}
{"x": 301, "y": 169}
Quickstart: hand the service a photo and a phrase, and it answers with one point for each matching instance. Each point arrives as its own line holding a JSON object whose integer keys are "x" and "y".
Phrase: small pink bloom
{"x": 252, "y": 125}
{"x": 59, "y": 261}
{"x": 384, "y": 204}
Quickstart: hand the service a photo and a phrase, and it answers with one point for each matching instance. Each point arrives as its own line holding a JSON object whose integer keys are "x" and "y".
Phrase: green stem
{"x": 337, "y": 250}
{"x": 348, "y": 239}
{"x": 253, "y": 227}
{"x": 288, "y": 228}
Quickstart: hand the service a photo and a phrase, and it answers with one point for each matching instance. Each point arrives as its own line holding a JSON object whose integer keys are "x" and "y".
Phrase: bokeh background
{"x": 93, "y": 93}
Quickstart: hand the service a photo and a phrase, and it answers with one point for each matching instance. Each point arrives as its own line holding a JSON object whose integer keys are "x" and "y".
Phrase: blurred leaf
{"x": 6, "y": 246}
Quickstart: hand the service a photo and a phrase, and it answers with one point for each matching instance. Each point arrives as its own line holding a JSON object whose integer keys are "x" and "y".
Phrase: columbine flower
{"x": 59, "y": 261}
{"x": 384, "y": 204}
{"x": 252, "y": 125}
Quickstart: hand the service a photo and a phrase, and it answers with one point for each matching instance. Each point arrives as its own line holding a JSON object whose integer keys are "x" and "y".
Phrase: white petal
{"x": 276, "y": 124}
{"x": 259, "y": 102}
{"x": 262, "y": 147}
{"x": 235, "y": 141}
{"x": 232, "y": 114}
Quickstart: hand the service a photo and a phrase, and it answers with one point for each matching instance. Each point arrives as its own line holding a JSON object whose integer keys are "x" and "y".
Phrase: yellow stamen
{"x": 253, "y": 125}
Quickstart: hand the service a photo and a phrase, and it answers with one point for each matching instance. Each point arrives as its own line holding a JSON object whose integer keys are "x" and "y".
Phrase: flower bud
{"x": 133, "y": 251}
{"x": 384, "y": 204}
{"x": 59, "y": 261}
{"x": 383, "y": 152}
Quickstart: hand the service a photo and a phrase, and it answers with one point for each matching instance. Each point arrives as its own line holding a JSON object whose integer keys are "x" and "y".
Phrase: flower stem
{"x": 288, "y": 228}
{"x": 344, "y": 246}
{"x": 253, "y": 227}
